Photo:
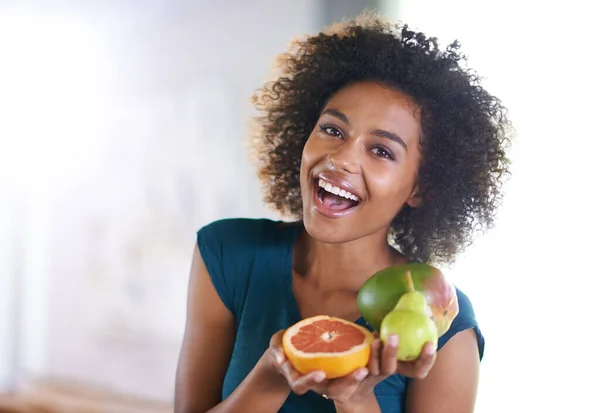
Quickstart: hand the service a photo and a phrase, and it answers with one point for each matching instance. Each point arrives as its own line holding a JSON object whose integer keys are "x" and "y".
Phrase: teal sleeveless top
{"x": 250, "y": 264}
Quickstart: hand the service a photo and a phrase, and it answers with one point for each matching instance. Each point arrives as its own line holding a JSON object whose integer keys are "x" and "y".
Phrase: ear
{"x": 415, "y": 200}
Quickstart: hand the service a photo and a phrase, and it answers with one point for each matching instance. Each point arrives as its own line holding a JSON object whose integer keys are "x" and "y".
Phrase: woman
{"x": 386, "y": 150}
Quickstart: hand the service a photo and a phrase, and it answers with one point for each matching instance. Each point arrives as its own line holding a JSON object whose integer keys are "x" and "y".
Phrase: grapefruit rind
{"x": 334, "y": 365}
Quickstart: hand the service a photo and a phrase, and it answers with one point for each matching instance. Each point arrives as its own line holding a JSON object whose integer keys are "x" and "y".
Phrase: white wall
{"x": 124, "y": 132}
{"x": 7, "y": 295}
{"x": 534, "y": 279}
{"x": 118, "y": 126}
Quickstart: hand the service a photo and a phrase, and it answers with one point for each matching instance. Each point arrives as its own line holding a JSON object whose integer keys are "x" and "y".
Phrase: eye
{"x": 382, "y": 152}
{"x": 331, "y": 131}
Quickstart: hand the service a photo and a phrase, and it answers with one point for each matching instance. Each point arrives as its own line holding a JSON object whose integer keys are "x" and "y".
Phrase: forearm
{"x": 370, "y": 405}
{"x": 260, "y": 392}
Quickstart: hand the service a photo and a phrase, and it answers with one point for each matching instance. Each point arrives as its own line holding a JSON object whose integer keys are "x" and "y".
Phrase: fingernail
{"x": 319, "y": 376}
{"x": 393, "y": 340}
{"x": 279, "y": 358}
{"x": 361, "y": 374}
{"x": 430, "y": 350}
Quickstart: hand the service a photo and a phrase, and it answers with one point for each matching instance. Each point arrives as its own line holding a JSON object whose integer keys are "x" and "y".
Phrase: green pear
{"x": 381, "y": 292}
{"x": 413, "y": 301}
{"x": 411, "y": 321}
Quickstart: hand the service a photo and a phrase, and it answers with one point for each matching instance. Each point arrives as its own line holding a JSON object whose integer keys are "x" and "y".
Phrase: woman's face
{"x": 360, "y": 163}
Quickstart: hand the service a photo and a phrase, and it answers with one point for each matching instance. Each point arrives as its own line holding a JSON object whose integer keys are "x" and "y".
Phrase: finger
{"x": 301, "y": 384}
{"x": 277, "y": 338}
{"x": 312, "y": 381}
{"x": 343, "y": 388}
{"x": 420, "y": 367}
{"x": 374, "y": 358}
{"x": 289, "y": 372}
{"x": 425, "y": 361}
{"x": 389, "y": 357}
{"x": 276, "y": 348}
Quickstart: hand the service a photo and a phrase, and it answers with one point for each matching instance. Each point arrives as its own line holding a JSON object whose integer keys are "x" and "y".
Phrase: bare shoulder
{"x": 451, "y": 385}
{"x": 207, "y": 343}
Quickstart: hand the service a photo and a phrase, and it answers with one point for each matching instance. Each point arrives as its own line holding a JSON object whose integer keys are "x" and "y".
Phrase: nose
{"x": 346, "y": 157}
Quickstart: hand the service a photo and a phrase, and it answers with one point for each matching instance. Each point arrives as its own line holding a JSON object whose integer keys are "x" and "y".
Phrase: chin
{"x": 326, "y": 234}
{"x": 331, "y": 230}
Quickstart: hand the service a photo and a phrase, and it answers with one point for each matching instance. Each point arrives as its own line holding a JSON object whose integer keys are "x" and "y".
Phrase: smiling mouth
{"x": 334, "y": 198}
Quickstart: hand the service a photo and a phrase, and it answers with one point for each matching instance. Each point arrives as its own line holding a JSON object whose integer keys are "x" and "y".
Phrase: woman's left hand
{"x": 356, "y": 389}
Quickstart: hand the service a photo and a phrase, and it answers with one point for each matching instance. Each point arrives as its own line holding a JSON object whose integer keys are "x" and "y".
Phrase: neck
{"x": 335, "y": 267}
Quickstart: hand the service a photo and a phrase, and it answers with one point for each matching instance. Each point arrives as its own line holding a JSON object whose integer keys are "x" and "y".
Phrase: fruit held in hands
{"x": 410, "y": 321}
{"x": 381, "y": 292}
{"x": 333, "y": 345}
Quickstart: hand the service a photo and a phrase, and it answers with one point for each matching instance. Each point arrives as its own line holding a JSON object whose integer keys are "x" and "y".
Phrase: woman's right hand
{"x": 283, "y": 372}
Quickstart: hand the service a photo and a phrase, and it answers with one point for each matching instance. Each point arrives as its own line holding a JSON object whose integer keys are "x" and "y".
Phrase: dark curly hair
{"x": 464, "y": 130}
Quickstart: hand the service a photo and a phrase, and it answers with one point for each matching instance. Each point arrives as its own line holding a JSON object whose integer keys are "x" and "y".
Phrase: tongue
{"x": 335, "y": 202}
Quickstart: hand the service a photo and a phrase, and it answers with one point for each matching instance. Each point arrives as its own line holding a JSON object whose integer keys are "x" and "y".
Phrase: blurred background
{"x": 122, "y": 131}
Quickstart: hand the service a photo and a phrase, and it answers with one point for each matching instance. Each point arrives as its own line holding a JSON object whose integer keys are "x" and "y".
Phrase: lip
{"x": 340, "y": 183}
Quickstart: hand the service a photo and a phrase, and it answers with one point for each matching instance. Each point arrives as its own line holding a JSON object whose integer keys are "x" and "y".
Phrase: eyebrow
{"x": 336, "y": 114}
{"x": 391, "y": 136}
{"x": 377, "y": 132}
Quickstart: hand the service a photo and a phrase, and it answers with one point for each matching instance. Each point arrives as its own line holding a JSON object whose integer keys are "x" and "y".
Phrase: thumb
{"x": 276, "y": 347}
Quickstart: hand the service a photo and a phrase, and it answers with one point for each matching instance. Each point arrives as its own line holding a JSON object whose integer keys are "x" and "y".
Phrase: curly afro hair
{"x": 464, "y": 130}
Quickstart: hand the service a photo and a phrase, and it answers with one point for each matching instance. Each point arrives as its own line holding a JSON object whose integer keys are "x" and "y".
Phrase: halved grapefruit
{"x": 333, "y": 345}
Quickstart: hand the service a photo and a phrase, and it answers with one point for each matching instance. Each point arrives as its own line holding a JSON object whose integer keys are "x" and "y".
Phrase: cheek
{"x": 307, "y": 162}
{"x": 310, "y": 147}
{"x": 392, "y": 185}
{"x": 310, "y": 154}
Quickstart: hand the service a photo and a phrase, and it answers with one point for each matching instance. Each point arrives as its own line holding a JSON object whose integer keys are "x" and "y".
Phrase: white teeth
{"x": 336, "y": 190}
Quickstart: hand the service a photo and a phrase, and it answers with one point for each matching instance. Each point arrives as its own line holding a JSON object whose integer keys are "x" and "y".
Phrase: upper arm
{"x": 207, "y": 343}
{"x": 451, "y": 385}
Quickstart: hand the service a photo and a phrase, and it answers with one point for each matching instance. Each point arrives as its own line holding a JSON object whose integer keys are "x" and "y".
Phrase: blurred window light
{"x": 54, "y": 77}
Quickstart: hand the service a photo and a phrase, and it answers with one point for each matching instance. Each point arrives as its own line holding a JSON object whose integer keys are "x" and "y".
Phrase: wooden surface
{"x": 55, "y": 397}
